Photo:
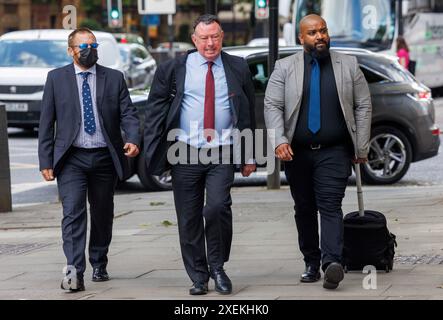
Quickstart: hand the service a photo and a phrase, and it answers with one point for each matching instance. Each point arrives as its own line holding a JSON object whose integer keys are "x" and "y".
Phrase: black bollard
{"x": 273, "y": 181}
{"x": 5, "y": 173}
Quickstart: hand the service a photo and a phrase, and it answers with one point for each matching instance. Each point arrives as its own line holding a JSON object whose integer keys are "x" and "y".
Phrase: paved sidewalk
{"x": 145, "y": 260}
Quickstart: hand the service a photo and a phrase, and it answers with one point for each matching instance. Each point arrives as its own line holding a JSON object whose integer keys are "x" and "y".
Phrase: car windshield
{"x": 33, "y": 53}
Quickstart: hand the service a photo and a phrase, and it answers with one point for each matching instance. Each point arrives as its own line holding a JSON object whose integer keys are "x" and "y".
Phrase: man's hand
{"x": 247, "y": 169}
{"x": 360, "y": 160}
{"x": 131, "y": 150}
{"x": 284, "y": 152}
{"x": 48, "y": 174}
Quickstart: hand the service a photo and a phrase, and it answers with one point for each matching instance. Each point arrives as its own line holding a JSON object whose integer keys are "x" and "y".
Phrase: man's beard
{"x": 318, "y": 54}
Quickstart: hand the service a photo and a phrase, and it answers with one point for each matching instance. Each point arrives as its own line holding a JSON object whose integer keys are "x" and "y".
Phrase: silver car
{"x": 138, "y": 65}
{"x": 27, "y": 56}
{"x": 403, "y": 119}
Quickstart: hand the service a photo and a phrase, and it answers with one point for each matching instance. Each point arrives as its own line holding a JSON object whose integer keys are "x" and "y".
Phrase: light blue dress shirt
{"x": 84, "y": 140}
{"x": 193, "y": 104}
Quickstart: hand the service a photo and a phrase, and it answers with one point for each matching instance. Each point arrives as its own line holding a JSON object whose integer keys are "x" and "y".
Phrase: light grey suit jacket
{"x": 284, "y": 95}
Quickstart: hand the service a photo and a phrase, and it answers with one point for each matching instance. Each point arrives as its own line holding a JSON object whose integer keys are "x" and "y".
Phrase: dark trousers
{"x": 318, "y": 180}
{"x": 88, "y": 173}
{"x": 198, "y": 220}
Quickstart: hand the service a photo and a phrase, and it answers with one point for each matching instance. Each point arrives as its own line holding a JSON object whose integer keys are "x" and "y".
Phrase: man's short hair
{"x": 73, "y": 33}
{"x": 206, "y": 19}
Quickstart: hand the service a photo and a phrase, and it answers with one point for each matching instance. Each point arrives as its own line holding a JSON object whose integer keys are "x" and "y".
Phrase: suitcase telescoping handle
{"x": 361, "y": 208}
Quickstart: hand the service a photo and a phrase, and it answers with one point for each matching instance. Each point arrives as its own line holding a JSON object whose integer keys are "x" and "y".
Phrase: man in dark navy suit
{"x": 206, "y": 96}
{"x": 84, "y": 108}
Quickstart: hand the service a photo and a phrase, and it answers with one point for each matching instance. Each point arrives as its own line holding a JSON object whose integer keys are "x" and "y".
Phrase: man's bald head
{"x": 314, "y": 35}
{"x": 309, "y": 20}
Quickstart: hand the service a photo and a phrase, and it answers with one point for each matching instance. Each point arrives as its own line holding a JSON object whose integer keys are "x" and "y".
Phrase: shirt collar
{"x": 90, "y": 70}
{"x": 201, "y": 60}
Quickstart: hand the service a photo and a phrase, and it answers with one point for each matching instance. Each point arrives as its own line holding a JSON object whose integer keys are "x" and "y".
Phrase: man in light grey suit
{"x": 319, "y": 105}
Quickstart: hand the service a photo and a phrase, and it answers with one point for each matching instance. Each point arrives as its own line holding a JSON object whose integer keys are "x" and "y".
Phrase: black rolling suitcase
{"x": 367, "y": 240}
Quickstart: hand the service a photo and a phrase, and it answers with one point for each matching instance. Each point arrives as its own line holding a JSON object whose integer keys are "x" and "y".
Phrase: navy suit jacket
{"x": 165, "y": 97}
{"x": 60, "y": 118}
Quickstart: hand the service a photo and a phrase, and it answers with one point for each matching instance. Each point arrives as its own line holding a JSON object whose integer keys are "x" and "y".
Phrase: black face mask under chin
{"x": 88, "y": 57}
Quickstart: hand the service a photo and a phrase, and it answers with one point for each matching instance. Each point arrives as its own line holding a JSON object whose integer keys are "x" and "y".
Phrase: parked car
{"x": 129, "y": 38}
{"x": 138, "y": 165}
{"x": 262, "y": 42}
{"x": 26, "y": 57}
{"x": 138, "y": 65}
{"x": 163, "y": 53}
{"x": 403, "y": 118}
{"x": 177, "y": 46}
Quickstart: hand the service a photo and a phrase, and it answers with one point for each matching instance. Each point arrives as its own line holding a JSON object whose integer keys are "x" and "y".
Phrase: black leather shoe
{"x": 333, "y": 275}
{"x": 73, "y": 286}
{"x": 100, "y": 274}
{"x": 199, "y": 288}
{"x": 223, "y": 284}
{"x": 311, "y": 274}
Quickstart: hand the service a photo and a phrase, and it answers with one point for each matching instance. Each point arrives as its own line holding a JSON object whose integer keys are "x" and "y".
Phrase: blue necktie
{"x": 314, "y": 98}
{"x": 88, "y": 113}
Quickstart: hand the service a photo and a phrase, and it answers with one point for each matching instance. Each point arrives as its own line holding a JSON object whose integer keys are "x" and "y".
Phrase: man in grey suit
{"x": 319, "y": 105}
{"x": 84, "y": 108}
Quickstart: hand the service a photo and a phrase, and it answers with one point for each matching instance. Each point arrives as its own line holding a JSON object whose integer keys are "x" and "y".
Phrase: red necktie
{"x": 209, "y": 115}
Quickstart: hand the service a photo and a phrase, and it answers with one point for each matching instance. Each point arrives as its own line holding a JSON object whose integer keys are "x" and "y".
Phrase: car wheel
{"x": 151, "y": 182}
{"x": 390, "y": 154}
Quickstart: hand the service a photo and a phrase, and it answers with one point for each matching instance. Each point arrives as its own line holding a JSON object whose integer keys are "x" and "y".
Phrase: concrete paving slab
{"x": 265, "y": 263}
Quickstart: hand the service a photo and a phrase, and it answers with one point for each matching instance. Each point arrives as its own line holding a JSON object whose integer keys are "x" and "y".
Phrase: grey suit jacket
{"x": 284, "y": 94}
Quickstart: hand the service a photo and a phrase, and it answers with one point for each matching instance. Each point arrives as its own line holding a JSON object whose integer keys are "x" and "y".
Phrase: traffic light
{"x": 261, "y": 3}
{"x": 115, "y": 14}
{"x": 261, "y": 9}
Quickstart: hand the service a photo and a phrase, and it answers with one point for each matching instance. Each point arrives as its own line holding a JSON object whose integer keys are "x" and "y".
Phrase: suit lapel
{"x": 296, "y": 78}
{"x": 100, "y": 86}
{"x": 73, "y": 90}
{"x": 179, "y": 72}
{"x": 231, "y": 81}
{"x": 298, "y": 75}
{"x": 337, "y": 66}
